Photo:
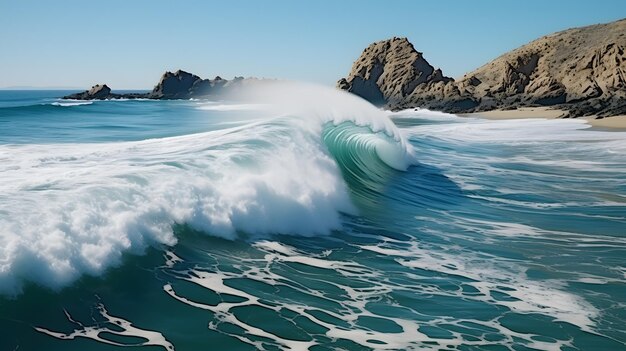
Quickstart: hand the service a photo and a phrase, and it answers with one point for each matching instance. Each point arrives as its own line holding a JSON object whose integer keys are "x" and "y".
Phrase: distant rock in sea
{"x": 172, "y": 85}
{"x": 177, "y": 85}
{"x": 97, "y": 92}
{"x": 579, "y": 70}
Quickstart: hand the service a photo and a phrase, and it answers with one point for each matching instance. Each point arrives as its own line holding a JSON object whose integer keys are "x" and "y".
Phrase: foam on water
{"x": 210, "y": 106}
{"x": 489, "y": 278}
{"x": 515, "y": 131}
{"x": 111, "y": 325}
{"x": 361, "y": 288}
{"x": 67, "y": 103}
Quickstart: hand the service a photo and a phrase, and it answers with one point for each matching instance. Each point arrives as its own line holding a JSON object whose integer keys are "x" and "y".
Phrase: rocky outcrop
{"x": 579, "y": 70}
{"x": 97, "y": 92}
{"x": 389, "y": 71}
{"x": 177, "y": 85}
{"x": 172, "y": 85}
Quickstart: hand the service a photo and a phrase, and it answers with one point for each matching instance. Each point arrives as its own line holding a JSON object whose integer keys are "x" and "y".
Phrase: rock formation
{"x": 390, "y": 70}
{"x": 97, "y": 92}
{"x": 579, "y": 70}
{"x": 177, "y": 85}
{"x": 172, "y": 85}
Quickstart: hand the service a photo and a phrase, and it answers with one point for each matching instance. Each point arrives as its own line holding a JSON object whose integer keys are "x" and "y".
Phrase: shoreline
{"x": 612, "y": 123}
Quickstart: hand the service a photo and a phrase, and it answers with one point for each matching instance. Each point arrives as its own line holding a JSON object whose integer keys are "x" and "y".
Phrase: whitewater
{"x": 298, "y": 217}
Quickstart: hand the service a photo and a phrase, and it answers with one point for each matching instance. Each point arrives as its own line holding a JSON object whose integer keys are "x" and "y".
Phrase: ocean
{"x": 305, "y": 220}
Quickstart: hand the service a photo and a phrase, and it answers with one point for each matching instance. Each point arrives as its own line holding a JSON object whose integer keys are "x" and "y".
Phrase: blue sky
{"x": 129, "y": 44}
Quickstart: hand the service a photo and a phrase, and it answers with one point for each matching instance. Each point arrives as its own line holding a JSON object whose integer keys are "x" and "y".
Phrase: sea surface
{"x": 305, "y": 219}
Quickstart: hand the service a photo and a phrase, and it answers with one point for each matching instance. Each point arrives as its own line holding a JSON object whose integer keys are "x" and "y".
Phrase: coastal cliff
{"x": 172, "y": 85}
{"x": 579, "y": 70}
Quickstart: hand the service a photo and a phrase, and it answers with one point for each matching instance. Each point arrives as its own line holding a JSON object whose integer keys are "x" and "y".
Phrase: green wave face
{"x": 357, "y": 150}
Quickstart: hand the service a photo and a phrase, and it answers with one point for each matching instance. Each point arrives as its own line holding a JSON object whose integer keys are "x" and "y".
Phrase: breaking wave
{"x": 76, "y": 209}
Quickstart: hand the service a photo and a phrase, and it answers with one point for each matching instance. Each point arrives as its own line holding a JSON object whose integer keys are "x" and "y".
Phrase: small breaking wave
{"x": 71, "y": 103}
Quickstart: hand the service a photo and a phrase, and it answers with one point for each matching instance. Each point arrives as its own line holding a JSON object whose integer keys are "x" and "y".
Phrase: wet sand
{"x": 618, "y": 122}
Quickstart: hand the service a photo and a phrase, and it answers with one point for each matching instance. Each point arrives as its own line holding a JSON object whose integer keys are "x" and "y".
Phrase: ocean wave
{"x": 65, "y": 103}
{"x": 230, "y": 107}
{"x": 76, "y": 209}
{"x": 34, "y": 108}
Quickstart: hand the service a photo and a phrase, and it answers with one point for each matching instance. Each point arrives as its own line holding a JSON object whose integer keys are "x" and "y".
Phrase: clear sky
{"x": 129, "y": 44}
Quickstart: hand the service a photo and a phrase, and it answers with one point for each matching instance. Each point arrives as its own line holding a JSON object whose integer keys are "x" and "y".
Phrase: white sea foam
{"x": 509, "y": 131}
{"x": 548, "y": 298}
{"x": 361, "y": 287}
{"x": 423, "y": 113}
{"x": 76, "y": 208}
{"x": 231, "y": 107}
{"x": 71, "y": 103}
{"x": 111, "y": 326}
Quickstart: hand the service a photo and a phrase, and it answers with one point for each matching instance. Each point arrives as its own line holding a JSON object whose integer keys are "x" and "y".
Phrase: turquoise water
{"x": 322, "y": 224}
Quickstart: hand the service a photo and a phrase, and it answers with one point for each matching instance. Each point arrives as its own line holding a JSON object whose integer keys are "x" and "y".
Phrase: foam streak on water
{"x": 362, "y": 286}
{"x": 97, "y": 332}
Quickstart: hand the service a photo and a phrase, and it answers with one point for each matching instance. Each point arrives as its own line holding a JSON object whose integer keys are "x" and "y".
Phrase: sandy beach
{"x": 615, "y": 122}
{"x": 520, "y": 113}
{"x": 618, "y": 122}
